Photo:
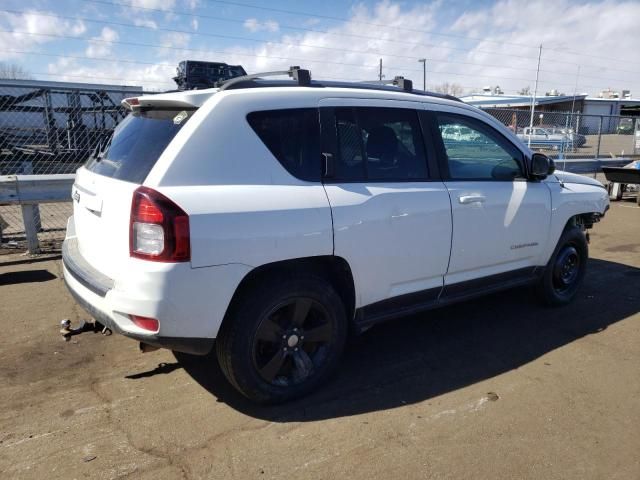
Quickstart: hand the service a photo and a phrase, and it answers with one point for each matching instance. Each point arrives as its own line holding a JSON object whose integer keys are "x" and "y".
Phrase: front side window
{"x": 477, "y": 152}
{"x": 293, "y": 137}
{"x": 379, "y": 144}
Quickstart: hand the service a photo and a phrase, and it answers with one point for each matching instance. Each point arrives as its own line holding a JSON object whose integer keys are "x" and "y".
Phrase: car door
{"x": 500, "y": 219}
{"x": 391, "y": 212}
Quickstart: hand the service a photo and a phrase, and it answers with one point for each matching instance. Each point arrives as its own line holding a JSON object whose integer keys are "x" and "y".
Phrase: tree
{"x": 525, "y": 91}
{"x": 12, "y": 71}
{"x": 449, "y": 89}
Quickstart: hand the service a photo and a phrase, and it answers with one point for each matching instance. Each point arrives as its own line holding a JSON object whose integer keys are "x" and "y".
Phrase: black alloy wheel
{"x": 291, "y": 342}
{"x": 283, "y": 337}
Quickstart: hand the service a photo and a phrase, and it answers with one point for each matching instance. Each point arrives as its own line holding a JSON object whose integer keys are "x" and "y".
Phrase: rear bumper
{"x": 194, "y": 346}
{"x": 190, "y": 303}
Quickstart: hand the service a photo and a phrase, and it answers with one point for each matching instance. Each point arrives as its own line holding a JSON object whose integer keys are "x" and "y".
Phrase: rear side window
{"x": 379, "y": 144}
{"x": 137, "y": 143}
{"x": 293, "y": 137}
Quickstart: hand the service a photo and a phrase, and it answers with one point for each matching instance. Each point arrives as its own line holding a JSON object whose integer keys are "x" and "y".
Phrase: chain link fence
{"x": 573, "y": 135}
{"x": 51, "y": 128}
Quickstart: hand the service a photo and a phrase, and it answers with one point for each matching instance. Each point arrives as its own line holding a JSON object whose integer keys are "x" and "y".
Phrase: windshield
{"x": 137, "y": 143}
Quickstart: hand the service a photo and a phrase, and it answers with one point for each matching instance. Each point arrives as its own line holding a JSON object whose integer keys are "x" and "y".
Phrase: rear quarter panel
{"x": 243, "y": 205}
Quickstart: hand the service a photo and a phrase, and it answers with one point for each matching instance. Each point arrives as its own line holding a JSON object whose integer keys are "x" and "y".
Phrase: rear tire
{"x": 565, "y": 271}
{"x": 283, "y": 337}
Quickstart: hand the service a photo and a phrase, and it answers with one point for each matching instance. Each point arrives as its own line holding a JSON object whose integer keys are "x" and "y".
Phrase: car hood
{"x": 567, "y": 177}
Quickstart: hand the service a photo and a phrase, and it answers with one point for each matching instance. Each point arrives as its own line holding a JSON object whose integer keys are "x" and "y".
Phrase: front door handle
{"x": 471, "y": 199}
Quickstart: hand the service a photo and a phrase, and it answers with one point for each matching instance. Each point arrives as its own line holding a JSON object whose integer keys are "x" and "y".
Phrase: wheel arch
{"x": 583, "y": 220}
{"x": 333, "y": 268}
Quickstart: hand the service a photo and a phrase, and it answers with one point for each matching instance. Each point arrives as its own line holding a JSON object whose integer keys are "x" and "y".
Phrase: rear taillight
{"x": 159, "y": 229}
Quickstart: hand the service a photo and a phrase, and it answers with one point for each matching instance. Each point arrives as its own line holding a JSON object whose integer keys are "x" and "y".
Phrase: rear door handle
{"x": 471, "y": 199}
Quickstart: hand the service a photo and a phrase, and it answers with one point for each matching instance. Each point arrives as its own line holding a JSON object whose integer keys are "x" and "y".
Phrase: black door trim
{"x": 424, "y": 300}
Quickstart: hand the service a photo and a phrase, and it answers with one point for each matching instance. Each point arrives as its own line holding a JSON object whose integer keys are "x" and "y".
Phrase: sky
{"x": 586, "y": 46}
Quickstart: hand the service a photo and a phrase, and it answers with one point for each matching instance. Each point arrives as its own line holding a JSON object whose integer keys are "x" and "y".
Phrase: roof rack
{"x": 404, "y": 83}
{"x": 301, "y": 76}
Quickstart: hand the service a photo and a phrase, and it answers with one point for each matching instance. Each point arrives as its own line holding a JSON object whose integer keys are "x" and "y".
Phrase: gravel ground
{"x": 493, "y": 388}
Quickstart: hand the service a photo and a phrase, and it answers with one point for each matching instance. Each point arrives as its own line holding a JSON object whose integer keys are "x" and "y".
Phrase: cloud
{"x": 175, "y": 40}
{"x": 99, "y": 46}
{"x": 194, "y": 24}
{"x": 145, "y": 22}
{"x": 493, "y": 44}
{"x": 28, "y": 29}
{"x": 152, "y": 77}
{"x": 482, "y": 45}
{"x": 153, "y": 4}
{"x": 254, "y": 25}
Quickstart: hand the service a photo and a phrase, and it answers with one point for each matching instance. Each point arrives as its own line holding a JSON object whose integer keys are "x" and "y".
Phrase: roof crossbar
{"x": 302, "y": 76}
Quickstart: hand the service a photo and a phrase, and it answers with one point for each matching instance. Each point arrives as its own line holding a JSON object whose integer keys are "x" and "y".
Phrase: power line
{"x": 360, "y": 22}
{"x": 250, "y": 39}
{"x": 390, "y": 67}
{"x": 308, "y": 60}
{"x": 344, "y": 20}
{"x": 93, "y": 77}
{"x": 232, "y": 37}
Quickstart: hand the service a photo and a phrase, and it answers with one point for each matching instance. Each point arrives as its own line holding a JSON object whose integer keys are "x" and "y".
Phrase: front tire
{"x": 284, "y": 336}
{"x": 565, "y": 271}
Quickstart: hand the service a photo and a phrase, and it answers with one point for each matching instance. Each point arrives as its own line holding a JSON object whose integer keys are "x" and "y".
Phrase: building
{"x": 592, "y": 113}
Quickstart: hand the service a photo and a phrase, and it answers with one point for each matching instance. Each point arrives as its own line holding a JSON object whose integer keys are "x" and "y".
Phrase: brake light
{"x": 158, "y": 228}
{"x": 146, "y": 323}
{"x": 131, "y": 103}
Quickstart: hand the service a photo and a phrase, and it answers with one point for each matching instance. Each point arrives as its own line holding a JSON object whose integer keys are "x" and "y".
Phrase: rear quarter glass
{"x": 137, "y": 143}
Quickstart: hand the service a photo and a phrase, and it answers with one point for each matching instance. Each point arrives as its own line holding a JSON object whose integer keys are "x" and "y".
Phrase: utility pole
{"x": 423, "y": 61}
{"x": 575, "y": 92}
{"x": 380, "y": 71}
{"x": 533, "y": 99}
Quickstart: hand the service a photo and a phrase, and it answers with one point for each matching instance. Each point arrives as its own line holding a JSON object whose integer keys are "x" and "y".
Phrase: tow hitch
{"x": 86, "y": 326}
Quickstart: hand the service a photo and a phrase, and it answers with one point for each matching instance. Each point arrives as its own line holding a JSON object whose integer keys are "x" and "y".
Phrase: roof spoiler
{"x": 186, "y": 100}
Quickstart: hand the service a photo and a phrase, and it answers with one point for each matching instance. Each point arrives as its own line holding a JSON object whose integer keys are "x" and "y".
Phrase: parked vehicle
{"x": 625, "y": 126}
{"x": 458, "y": 133}
{"x": 545, "y": 139}
{"x": 575, "y": 139}
{"x": 275, "y": 217}
{"x": 192, "y": 74}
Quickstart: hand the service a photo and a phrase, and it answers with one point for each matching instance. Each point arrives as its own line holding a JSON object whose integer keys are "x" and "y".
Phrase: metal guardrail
{"x": 29, "y": 191}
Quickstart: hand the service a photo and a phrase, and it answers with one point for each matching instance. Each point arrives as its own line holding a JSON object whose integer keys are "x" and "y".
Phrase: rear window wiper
{"x": 100, "y": 149}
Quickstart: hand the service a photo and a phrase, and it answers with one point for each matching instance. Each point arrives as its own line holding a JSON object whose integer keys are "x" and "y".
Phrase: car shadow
{"x": 420, "y": 357}
{"x": 26, "y": 276}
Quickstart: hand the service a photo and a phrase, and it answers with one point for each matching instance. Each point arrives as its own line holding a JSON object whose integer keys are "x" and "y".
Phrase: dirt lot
{"x": 494, "y": 388}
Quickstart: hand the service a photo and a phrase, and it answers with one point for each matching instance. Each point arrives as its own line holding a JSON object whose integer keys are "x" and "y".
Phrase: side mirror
{"x": 540, "y": 166}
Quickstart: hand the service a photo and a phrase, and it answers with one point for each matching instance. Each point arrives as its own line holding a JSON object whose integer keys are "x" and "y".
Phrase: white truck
{"x": 276, "y": 217}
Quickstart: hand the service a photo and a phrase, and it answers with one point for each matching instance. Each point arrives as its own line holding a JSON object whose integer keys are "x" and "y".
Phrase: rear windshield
{"x": 136, "y": 144}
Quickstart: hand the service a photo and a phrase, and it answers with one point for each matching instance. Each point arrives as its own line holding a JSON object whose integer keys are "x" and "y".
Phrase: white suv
{"x": 276, "y": 216}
